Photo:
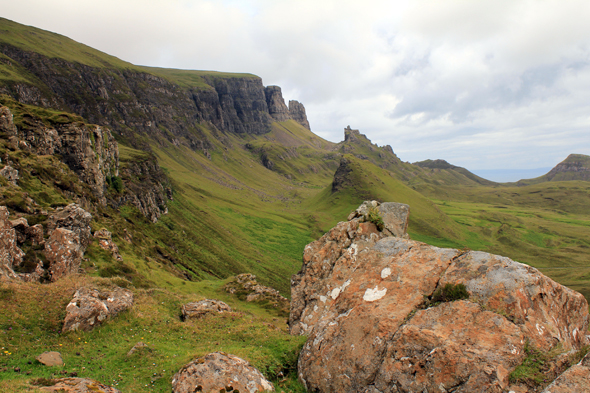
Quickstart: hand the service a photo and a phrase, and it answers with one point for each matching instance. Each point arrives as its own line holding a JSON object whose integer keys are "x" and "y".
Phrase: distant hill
{"x": 574, "y": 167}
{"x": 442, "y": 165}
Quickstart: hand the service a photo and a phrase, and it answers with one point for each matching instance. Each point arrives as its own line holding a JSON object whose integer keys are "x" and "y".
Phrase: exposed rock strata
{"x": 218, "y": 372}
{"x": 90, "y": 307}
{"x": 297, "y": 113}
{"x": 203, "y": 307}
{"x": 247, "y": 288}
{"x": 361, "y": 296}
{"x": 10, "y": 174}
{"x": 276, "y": 104}
{"x": 79, "y": 385}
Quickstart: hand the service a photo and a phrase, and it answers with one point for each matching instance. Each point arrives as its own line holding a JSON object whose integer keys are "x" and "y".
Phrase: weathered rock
{"x": 10, "y": 174}
{"x": 10, "y": 254}
{"x": 91, "y": 307}
{"x": 35, "y": 234}
{"x": 50, "y": 358}
{"x": 247, "y": 288}
{"x": 20, "y": 226}
{"x": 74, "y": 218}
{"x": 297, "y": 113}
{"x": 276, "y": 104}
{"x": 7, "y": 126}
{"x": 576, "y": 379}
{"x": 217, "y": 372}
{"x": 105, "y": 242}
{"x": 428, "y": 353}
{"x": 204, "y": 307}
{"x": 360, "y": 297}
{"x": 63, "y": 252}
{"x": 548, "y": 313}
{"x": 395, "y": 216}
{"x": 79, "y": 385}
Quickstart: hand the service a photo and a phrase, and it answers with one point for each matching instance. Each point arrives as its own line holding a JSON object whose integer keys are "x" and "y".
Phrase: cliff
{"x": 132, "y": 100}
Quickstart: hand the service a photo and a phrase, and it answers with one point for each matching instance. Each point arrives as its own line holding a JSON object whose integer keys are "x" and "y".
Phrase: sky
{"x": 486, "y": 85}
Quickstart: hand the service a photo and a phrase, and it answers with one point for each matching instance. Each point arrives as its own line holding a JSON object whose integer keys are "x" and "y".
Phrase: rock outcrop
{"x": 217, "y": 372}
{"x": 88, "y": 150}
{"x": 10, "y": 174}
{"x": 78, "y": 385}
{"x": 63, "y": 252}
{"x": 10, "y": 254}
{"x": 363, "y": 297}
{"x": 297, "y": 113}
{"x": 75, "y": 219}
{"x": 106, "y": 242}
{"x": 247, "y": 288}
{"x": 90, "y": 307}
{"x": 203, "y": 307}
{"x": 574, "y": 167}
{"x": 276, "y": 104}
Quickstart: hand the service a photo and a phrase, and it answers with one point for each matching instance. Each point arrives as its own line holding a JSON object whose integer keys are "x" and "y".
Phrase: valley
{"x": 201, "y": 176}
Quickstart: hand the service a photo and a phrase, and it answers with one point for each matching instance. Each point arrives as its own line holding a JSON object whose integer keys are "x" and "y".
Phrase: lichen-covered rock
{"x": 204, "y": 307}
{"x": 248, "y": 289}
{"x": 79, "y": 385}
{"x": 10, "y": 254}
{"x": 106, "y": 243}
{"x": 91, "y": 307}
{"x": 63, "y": 252}
{"x": 395, "y": 216}
{"x": 547, "y": 312}
{"x": 363, "y": 295}
{"x": 217, "y": 372}
{"x": 10, "y": 174}
{"x": 576, "y": 379}
{"x": 35, "y": 234}
{"x": 75, "y": 219}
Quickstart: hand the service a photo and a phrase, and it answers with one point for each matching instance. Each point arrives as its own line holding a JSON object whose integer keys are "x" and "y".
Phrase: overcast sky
{"x": 481, "y": 84}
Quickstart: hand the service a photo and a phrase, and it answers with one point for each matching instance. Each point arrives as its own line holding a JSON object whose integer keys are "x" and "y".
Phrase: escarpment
{"x": 370, "y": 301}
{"x": 134, "y": 100}
{"x": 92, "y": 153}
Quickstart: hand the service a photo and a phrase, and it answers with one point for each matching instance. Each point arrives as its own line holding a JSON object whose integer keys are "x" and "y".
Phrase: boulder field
{"x": 364, "y": 297}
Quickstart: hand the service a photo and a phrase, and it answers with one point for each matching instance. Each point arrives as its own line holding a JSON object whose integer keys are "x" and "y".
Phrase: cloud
{"x": 482, "y": 84}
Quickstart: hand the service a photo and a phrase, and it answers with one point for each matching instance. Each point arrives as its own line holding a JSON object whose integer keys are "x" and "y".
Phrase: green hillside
{"x": 243, "y": 200}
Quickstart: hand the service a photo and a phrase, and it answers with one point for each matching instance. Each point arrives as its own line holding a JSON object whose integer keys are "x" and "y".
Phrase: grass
{"x": 250, "y": 332}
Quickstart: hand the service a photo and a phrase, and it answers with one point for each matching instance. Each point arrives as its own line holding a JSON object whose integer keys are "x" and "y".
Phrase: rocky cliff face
{"x": 92, "y": 153}
{"x": 297, "y": 113}
{"x": 89, "y": 150}
{"x": 368, "y": 302}
{"x": 276, "y": 104}
{"x": 130, "y": 101}
{"x": 574, "y": 167}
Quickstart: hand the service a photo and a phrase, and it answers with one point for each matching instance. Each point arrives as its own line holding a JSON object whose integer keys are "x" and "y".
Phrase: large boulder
{"x": 203, "y": 307}
{"x": 217, "y": 372}
{"x": 63, "y": 252}
{"x": 75, "y": 219}
{"x": 90, "y": 307}
{"x": 10, "y": 254}
{"x": 78, "y": 385}
{"x": 365, "y": 298}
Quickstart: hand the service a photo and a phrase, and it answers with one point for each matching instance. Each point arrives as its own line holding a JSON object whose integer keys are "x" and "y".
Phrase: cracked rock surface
{"x": 362, "y": 296}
